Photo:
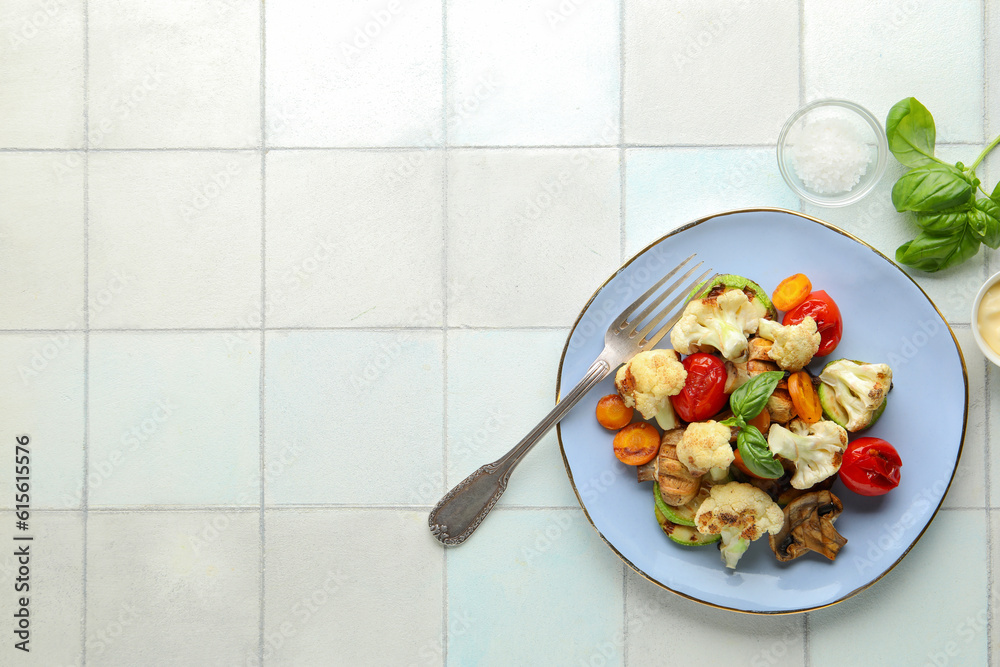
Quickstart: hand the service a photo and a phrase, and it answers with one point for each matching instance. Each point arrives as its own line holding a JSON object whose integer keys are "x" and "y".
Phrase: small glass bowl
{"x": 868, "y": 129}
{"x": 988, "y": 351}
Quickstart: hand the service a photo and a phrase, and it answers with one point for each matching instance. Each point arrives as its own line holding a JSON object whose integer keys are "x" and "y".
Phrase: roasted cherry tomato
{"x": 637, "y": 443}
{"x": 870, "y": 467}
{"x": 804, "y": 397}
{"x": 612, "y": 413}
{"x": 791, "y": 291}
{"x": 704, "y": 392}
{"x": 819, "y": 306}
{"x": 738, "y": 462}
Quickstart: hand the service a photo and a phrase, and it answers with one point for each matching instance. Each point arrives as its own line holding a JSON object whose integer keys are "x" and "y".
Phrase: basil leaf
{"x": 735, "y": 420}
{"x": 985, "y": 221}
{"x": 751, "y": 396}
{"x": 934, "y": 187}
{"x": 755, "y": 454}
{"x": 909, "y": 127}
{"x": 996, "y": 194}
{"x": 931, "y": 253}
{"x": 946, "y": 222}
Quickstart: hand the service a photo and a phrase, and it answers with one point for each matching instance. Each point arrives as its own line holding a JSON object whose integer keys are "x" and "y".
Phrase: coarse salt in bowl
{"x": 832, "y": 152}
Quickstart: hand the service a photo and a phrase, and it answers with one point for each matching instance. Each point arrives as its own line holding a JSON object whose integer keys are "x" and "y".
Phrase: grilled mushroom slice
{"x": 780, "y": 406}
{"x": 677, "y": 485}
{"x": 809, "y": 527}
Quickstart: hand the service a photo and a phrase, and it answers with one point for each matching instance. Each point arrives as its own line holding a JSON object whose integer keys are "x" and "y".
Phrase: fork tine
{"x": 655, "y": 338}
{"x": 624, "y": 317}
{"x": 655, "y": 303}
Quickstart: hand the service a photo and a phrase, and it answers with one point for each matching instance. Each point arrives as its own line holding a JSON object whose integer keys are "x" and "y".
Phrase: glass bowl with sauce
{"x": 986, "y": 318}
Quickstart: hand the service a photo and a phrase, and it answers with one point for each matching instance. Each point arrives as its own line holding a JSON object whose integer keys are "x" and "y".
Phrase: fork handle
{"x": 462, "y": 509}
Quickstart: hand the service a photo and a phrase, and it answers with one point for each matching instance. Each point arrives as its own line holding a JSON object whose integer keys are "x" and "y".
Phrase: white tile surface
{"x": 167, "y": 588}
{"x": 41, "y": 240}
{"x": 529, "y": 73}
{"x": 531, "y": 234}
{"x": 666, "y": 188}
{"x": 55, "y": 588}
{"x": 41, "y": 73}
{"x": 882, "y": 54}
{"x": 368, "y": 430}
{"x": 174, "y": 73}
{"x": 354, "y": 238}
{"x": 490, "y": 408}
{"x": 364, "y": 74}
{"x": 733, "y": 638}
{"x": 697, "y": 72}
{"x": 956, "y": 594}
{"x": 992, "y": 34}
{"x": 374, "y": 599}
{"x": 534, "y": 587}
{"x": 968, "y": 488}
{"x": 993, "y": 381}
{"x": 175, "y": 239}
{"x": 174, "y": 419}
{"x": 41, "y": 387}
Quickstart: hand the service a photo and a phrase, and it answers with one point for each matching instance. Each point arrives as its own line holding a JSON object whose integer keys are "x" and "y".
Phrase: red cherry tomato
{"x": 819, "y": 306}
{"x": 870, "y": 467}
{"x": 704, "y": 392}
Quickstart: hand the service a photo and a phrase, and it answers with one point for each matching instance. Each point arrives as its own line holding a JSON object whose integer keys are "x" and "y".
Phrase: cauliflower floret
{"x": 704, "y": 447}
{"x": 741, "y": 513}
{"x": 719, "y": 323}
{"x": 817, "y": 450}
{"x": 853, "y": 393}
{"x": 794, "y": 345}
{"x": 649, "y": 379}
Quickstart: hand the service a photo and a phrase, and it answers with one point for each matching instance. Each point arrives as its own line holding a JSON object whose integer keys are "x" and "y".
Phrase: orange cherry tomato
{"x": 762, "y": 421}
{"x": 791, "y": 291}
{"x": 804, "y": 397}
{"x": 738, "y": 462}
{"x": 612, "y": 413}
{"x": 637, "y": 443}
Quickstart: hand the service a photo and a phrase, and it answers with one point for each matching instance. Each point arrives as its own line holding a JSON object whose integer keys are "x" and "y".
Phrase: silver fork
{"x": 462, "y": 509}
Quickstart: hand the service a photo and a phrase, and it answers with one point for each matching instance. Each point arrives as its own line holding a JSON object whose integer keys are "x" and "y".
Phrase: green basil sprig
{"x": 942, "y": 197}
{"x": 755, "y": 454}
{"x": 746, "y": 403}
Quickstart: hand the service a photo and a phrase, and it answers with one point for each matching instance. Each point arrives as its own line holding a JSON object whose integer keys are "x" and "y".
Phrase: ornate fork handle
{"x": 463, "y": 508}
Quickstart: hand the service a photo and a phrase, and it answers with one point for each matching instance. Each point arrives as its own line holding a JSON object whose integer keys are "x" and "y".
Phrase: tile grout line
{"x": 622, "y": 178}
{"x": 263, "y": 332}
{"x": 444, "y": 314}
{"x": 371, "y": 329}
{"x": 85, "y": 491}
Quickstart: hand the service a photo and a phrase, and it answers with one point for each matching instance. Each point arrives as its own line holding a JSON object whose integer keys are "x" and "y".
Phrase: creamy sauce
{"x": 988, "y": 318}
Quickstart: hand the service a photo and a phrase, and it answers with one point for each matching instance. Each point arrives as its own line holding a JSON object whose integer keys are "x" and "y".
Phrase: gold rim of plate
{"x": 695, "y": 223}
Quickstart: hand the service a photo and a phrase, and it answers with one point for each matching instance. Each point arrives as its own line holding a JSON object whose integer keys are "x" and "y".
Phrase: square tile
{"x": 992, "y": 14}
{"x": 41, "y": 240}
{"x": 492, "y": 406}
{"x": 173, "y": 588}
{"x": 533, "y": 74}
{"x": 531, "y": 233}
{"x": 883, "y": 53}
{"x": 41, "y": 388}
{"x": 175, "y": 240}
{"x": 993, "y": 446}
{"x": 875, "y": 221}
{"x": 669, "y": 187}
{"x": 174, "y": 74}
{"x": 371, "y": 599}
{"x": 317, "y": 453}
{"x": 736, "y": 639}
{"x": 54, "y": 588}
{"x": 41, "y": 74}
{"x": 174, "y": 419}
{"x": 887, "y": 608}
{"x": 368, "y": 73}
{"x": 535, "y": 587}
{"x": 696, "y": 72}
{"x": 354, "y": 238}
{"x": 968, "y": 488}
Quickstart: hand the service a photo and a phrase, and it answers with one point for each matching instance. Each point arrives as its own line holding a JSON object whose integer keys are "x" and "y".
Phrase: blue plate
{"x": 887, "y": 318}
